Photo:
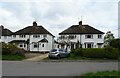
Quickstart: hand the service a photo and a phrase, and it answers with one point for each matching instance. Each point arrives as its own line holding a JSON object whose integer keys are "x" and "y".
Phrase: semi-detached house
{"x": 84, "y": 36}
{"x": 33, "y": 38}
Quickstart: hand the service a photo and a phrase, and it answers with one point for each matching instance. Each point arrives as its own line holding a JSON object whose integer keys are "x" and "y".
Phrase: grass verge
{"x": 103, "y": 74}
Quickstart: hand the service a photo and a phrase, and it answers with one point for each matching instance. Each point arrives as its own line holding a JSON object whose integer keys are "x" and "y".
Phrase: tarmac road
{"x": 23, "y": 68}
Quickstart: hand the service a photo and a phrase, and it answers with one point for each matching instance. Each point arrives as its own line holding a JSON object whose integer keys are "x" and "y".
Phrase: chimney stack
{"x": 34, "y": 23}
{"x": 80, "y": 23}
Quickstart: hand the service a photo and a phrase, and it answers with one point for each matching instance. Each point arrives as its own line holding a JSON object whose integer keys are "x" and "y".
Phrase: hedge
{"x": 8, "y": 49}
{"x": 108, "y": 52}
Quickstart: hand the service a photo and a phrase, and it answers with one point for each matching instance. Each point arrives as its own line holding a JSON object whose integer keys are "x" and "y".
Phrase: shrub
{"x": 108, "y": 52}
{"x": 77, "y": 52}
{"x": 5, "y": 51}
{"x": 11, "y": 49}
{"x": 93, "y": 53}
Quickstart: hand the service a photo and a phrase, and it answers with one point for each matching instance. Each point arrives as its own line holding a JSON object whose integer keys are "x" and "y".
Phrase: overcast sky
{"x": 57, "y": 15}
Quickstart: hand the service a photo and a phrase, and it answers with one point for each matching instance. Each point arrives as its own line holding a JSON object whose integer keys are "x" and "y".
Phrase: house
{"x": 5, "y": 34}
{"x": 81, "y": 35}
{"x": 33, "y": 38}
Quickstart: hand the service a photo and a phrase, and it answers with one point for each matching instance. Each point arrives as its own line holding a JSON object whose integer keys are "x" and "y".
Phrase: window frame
{"x": 99, "y": 36}
{"x": 91, "y": 36}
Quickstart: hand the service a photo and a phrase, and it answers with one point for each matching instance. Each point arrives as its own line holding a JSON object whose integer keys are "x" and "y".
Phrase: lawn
{"x": 103, "y": 74}
{"x": 12, "y": 57}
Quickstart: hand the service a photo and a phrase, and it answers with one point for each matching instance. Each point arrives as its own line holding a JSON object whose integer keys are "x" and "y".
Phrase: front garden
{"x": 11, "y": 52}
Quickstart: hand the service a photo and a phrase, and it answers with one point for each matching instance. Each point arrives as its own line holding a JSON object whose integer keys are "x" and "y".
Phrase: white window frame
{"x": 91, "y": 36}
{"x": 99, "y": 36}
{"x": 36, "y": 45}
{"x": 36, "y": 35}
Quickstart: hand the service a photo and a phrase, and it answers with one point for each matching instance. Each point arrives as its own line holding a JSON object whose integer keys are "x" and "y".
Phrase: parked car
{"x": 58, "y": 53}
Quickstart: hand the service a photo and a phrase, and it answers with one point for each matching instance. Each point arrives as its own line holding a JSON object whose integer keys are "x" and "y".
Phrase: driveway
{"x": 35, "y": 56}
{"x": 23, "y": 68}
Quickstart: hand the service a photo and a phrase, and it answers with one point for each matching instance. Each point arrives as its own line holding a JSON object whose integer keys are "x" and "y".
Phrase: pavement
{"x": 37, "y": 58}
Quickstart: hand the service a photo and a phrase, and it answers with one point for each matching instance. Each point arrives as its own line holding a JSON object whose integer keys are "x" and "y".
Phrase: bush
{"x": 5, "y": 51}
{"x": 108, "y": 52}
{"x": 111, "y": 53}
{"x": 8, "y": 49}
{"x": 77, "y": 52}
{"x": 93, "y": 53}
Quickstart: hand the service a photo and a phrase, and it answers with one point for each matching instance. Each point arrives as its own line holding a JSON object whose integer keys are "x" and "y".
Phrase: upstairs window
{"x": 22, "y": 36}
{"x": 36, "y": 36}
{"x": 5, "y": 37}
{"x": 89, "y": 36}
{"x": 99, "y": 36}
{"x": 14, "y": 36}
{"x": 45, "y": 35}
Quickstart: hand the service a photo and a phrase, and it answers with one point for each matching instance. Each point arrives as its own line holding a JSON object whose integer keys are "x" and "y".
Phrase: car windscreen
{"x": 53, "y": 50}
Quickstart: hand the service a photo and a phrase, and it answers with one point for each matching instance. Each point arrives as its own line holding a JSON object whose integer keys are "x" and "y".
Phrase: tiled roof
{"x": 5, "y": 31}
{"x": 32, "y": 30}
{"x": 81, "y": 29}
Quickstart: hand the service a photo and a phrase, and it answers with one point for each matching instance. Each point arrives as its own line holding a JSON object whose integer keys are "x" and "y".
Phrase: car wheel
{"x": 58, "y": 56}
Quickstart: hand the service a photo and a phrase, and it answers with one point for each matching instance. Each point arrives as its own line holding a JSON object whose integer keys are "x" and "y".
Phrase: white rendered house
{"x": 33, "y": 38}
{"x": 5, "y": 34}
{"x": 84, "y": 35}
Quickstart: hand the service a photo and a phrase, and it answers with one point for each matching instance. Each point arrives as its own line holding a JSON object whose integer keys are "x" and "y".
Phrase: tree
{"x": 115, "y": 43}
{"x": 108, "y": 37}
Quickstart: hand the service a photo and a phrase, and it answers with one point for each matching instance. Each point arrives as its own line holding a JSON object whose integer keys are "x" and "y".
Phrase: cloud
{"x": 58, "y": 15}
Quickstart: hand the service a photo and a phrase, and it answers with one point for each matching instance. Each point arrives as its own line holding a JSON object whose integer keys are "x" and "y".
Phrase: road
{"x": 23, "y": 68}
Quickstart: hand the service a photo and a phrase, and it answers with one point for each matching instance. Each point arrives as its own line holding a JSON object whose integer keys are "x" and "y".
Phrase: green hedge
{"x": 8, "y": 49}
{"x": 107, "y": 52}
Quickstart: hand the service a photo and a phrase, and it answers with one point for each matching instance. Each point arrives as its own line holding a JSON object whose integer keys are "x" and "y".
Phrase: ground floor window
{"x": 21, "y": 45}
{"x": 36, "y": 45}
{"x": 88, "y": 45}
{"x": 99, "y": 45}
{"x": 42, "y": 45}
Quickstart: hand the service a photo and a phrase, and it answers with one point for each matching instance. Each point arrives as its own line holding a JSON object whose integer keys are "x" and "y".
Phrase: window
{"x": 36, "y": 45}
{"x": 36, "y": 35}
{"x": 14, "y": 35}
{"x": 60, "y": 49}
{"x": 88, "y": 45}
{"x": 88, "y": 36}
{"x": 42, "y": 45}
{"x": 21, "y": 45}
{"x": 5, "y": 37}
{"x": 22, "y": 36}
{"x": 72, "y": 36}
{"x": 44, "y": 35}
{"x": 99, "y": 36}
{"x": 58, "y": 46}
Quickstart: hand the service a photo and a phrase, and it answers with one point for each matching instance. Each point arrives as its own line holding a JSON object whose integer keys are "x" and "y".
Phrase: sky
{"x": 58, "y": 15}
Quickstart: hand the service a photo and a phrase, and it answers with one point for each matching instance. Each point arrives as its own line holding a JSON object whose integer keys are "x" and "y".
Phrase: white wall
{"x": 47, "y": 46}
{"x": 5, "y": 39}
{"x": 83, "y": 40}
